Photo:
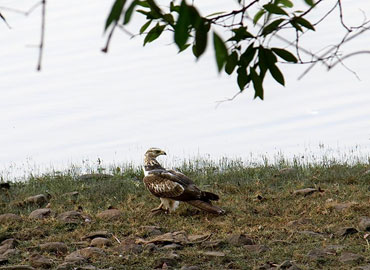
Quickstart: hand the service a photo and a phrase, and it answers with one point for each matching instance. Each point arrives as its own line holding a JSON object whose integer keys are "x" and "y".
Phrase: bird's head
{"x": 154, "y": 152}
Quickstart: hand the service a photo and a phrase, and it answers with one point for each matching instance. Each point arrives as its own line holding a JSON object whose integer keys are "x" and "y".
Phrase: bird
{"x": 173, "y": 187}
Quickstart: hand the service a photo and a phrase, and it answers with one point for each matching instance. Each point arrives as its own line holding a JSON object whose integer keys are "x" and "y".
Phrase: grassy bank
{"x": 272, "y": 219}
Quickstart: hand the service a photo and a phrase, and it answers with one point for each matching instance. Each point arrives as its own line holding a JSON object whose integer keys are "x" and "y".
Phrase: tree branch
{"x": 41, "y": 46}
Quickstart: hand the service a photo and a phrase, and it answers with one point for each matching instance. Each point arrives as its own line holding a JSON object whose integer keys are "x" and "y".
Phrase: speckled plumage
{"x": 172, "y": 186}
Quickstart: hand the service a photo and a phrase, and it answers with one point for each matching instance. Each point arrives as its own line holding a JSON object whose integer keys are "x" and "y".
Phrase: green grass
{"x": 258, "y": 198}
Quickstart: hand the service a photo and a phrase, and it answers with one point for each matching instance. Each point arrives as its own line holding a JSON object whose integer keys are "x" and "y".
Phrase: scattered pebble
{"x": 100, "y": 242}
{"x": 110, "y": 214}
{"x": 346, "y": 231}
{"x": 39, "y": 261}
{"x": 350, "y": 258}
{"x": 54, "y": 247}
{"x": 240, "y": 240}
{"x": 40, "y": 213}
{"x": 39, "y": 200}
{"x": 9, "y": 218}
{"x": 364, "y": 224}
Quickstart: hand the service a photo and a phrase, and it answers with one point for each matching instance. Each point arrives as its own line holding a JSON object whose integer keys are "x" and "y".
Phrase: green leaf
{"x": 243, "y": 79}
{"x": 201, "y": 38}
{"x": 174, "y": 8}
{"x": 258, "y": 16}
{"x": 145, "y": 26}
{"x": 274, "y": 9}
{"x": 182, "y": 25}
{"x": 257, "y": 84}
{"x": 248, "y": 55}
{"x": 216, "y": 13}
{"x": 129, "y": 11}
{"x": 115, "y": 13}
{"x": 310, "y": 2}
{"x": 231, "y": 62}
{"x": 286, "y": 3}
{"x": 284, "y": 54}
{"x": 169, "y": 18}
{"x": 276, "y": 74}
{"x": 240, "y": 33}
{"x": 220, "y": 51}
{"x": 271, "y": 27}
{"x": 304, "y": 23}
{"x": 154, "y": 33}
{"x": 296, "y": 25}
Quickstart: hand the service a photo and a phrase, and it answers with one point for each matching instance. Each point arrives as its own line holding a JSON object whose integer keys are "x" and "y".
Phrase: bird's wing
{"x": 165, "y": 184}
{"x": 182, "y": 176}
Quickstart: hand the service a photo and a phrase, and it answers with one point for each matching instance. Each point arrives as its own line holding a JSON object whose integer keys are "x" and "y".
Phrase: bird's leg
{"x": 157, "y": 208}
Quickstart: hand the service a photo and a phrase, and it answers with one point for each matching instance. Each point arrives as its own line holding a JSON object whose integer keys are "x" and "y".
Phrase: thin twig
{"x": 234, "y": 12}
{"x": 228, "y": 99}
{"x": 341, "y": 16}
{"x": 115, "y": 237}
{"x": 105, "y": 49}
{"x": 41, "y": 50}
{"x": 26, "y": 13}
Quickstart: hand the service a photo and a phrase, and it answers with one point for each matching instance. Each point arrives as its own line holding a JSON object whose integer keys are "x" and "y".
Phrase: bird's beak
{"x": 164, "y": 153}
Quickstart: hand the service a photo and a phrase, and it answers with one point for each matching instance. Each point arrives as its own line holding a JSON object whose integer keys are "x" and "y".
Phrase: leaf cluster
{"x": 241, "y": 38}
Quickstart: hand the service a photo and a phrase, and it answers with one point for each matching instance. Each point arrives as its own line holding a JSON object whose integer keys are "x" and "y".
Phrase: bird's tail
{"x": 209, "y": 196}
{"x": 207, "y": 206}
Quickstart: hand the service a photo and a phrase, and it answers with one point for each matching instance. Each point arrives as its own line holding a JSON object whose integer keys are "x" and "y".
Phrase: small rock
{"x": 151, "y": 230}
{"x": 343, "y": 206}
{"x": 96, "y": 234}
{"x": 75, "y": 258}
{"x": 240, "y": 240}
{"x": 100, "y": 242}
{"x": 9, "y": 218}
{"x": 10, "y": 252}
{"x": 364, "y": 224}
{"x": 198, "y": 238}
{"x": 3, "y": 259}
{"x": 66, "y": 266}
{"x": 8, "y": 244}
{"x": 318, "y": 254}
{"x": 40, "y": 213}
{"x": 110, "y": 214}
{"x": 179, "y": 237}
{"x": 346, "y": 231}
{"x": 213, "y": 253}
{"x": 92, "y": 252}
{"x": 72, "y": 217}
{"x": 256, "y": 248}
{"x": 55, "y": 247}
{"x": 350, "y": 258}
{"x": 171, "y": 247}
{"x": 150, "y": 247}
{"x": 305, "y": 191}
{"x": 129, "y": 246}
{"x": 39, "y": 261}
{"x": 302, "y": 221}
{"x": 39, "y": 200}
{"x": 288, "y": 265}
{"x": 212, "y": 244}
{"x": 168, "y": 260}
